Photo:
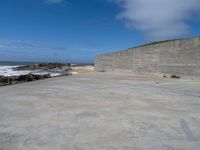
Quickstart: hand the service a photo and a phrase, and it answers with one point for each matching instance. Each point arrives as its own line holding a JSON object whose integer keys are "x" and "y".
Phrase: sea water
{"x": 7, "y": 69}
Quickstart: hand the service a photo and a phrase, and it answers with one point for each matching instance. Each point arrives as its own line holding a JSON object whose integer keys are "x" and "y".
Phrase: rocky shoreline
{"x": 66, "y": 69}
{"x": 21, "y": 79}
{"x": 10, "y": 80}
{"x": 45, "y": 66}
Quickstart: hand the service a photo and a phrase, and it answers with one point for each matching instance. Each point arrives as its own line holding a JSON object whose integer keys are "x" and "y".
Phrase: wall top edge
{"x": 156, "y": 43}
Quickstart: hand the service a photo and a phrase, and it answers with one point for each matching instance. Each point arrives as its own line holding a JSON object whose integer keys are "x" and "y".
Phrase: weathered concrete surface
{"x": 101, "y": 111}
{"x": 178, "y": 57}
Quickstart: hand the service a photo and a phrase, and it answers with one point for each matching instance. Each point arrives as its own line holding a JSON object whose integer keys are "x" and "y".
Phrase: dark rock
{"x": 32, "y": 77}
{"x": 175, "y": 77}
{"x": 43, "y": 66}
{"x": 22, "y": 78}
{"x": 68, "y": 69}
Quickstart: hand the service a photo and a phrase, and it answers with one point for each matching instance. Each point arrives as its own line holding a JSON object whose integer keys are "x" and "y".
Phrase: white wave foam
{"x": 9, "y": 71}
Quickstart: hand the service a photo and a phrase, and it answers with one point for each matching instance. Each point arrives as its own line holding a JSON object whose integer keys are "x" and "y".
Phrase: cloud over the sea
{"x": 159, "y": 19}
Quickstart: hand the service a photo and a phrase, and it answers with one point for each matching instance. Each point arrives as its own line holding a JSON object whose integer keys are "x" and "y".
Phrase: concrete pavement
{"x": 101, "y": 111}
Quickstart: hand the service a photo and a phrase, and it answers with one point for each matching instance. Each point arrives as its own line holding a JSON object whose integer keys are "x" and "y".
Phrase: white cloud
{"x": 54, "y": 1}
{"x": 159, "y": 19}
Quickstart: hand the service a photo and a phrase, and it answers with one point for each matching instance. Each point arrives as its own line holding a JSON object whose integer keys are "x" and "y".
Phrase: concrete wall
{"x": 178, "y": 57}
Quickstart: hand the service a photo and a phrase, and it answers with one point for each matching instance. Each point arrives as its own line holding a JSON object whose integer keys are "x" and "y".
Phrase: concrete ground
{"x": 101, "y": 111}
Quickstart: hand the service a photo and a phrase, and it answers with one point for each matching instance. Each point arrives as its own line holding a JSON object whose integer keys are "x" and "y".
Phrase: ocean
{"x": 6, "y": 69}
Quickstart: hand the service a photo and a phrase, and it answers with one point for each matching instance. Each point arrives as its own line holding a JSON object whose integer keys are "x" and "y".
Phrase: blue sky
{"x": 78, "y": 30}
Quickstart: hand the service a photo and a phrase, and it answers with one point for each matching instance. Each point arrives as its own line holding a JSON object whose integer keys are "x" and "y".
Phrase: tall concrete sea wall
{"x": 176, "y": 57}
